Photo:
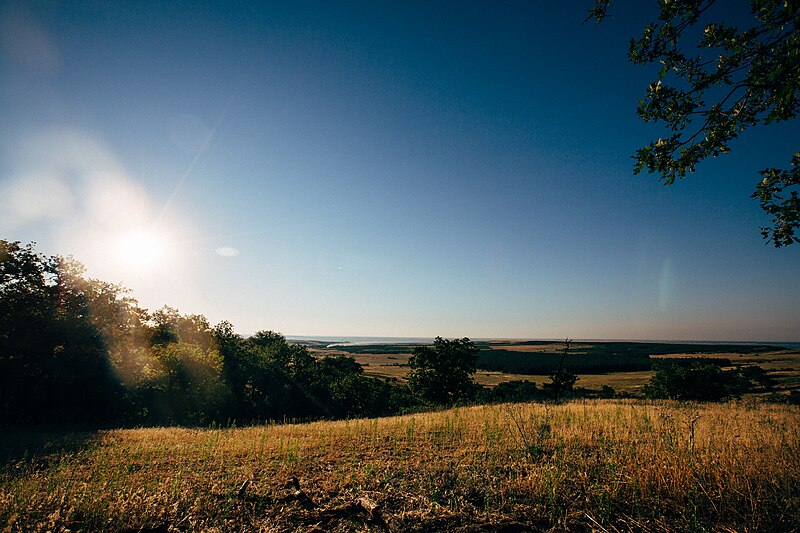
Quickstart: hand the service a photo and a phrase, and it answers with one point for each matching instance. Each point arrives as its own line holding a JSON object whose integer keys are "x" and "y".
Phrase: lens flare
{"x": 140, "y": 250}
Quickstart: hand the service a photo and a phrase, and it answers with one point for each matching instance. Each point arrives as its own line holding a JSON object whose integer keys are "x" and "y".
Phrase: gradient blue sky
{"x": 379, "y": 168}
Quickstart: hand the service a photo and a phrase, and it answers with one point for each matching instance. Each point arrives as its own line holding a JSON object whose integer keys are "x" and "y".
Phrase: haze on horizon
{"x": 379, "y": 169}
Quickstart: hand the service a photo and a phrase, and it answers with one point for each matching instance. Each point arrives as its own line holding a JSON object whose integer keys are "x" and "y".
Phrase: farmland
{"x": 625, "y": 366}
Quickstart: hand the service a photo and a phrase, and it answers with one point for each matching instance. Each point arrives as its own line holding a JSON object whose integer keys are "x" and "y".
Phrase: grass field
{"x": 584, "y": 466}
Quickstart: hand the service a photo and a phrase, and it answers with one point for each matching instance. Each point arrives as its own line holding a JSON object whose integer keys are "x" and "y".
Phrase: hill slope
{"x": 582, "y": 465}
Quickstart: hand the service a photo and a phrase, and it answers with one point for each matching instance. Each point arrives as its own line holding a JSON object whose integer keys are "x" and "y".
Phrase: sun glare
{"x": 140, "y": 250}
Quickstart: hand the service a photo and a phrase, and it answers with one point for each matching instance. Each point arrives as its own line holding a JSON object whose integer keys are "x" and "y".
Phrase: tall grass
{"x": 585, "y": 465}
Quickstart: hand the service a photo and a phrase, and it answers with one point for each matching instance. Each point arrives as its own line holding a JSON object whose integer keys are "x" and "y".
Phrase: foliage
{"x": 607, "y": 391}
{"x": 272, "y": 379}
{"x": 76, "y": 350}
{"x": 53, "y": 365}
{"x": 562, "y": 381}
{"x": 701, "y": 381}
{"x": 169, "y": 326}
{"x": 599, "y": 357}
{"x": 785, "y": 212}
{"x": 590, "y": 362}
{"x": 738, "y": 78}
{"x": 258, "y": 388}
{"x": 515, "y": 391}
{"x": 442, "y": 373}
{"x": 186, "y": 387}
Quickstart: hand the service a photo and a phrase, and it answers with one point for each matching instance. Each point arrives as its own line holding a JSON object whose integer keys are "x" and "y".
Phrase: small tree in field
{"x": 562, "y": 380}
{"x": 442, "y": 373}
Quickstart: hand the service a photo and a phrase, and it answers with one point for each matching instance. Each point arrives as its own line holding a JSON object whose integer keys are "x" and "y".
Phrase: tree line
{"x": 75, "y": 350}
{"x": 82, "y": 351}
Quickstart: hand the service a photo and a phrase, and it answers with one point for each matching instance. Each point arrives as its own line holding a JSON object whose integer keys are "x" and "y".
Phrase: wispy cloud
{"x": 227, "y": 251}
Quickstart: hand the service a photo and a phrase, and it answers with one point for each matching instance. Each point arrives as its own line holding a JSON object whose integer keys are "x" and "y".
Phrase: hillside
{"x": 600, "y": 465}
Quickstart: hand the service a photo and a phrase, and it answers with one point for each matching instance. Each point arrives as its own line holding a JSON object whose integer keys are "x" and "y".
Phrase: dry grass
{"x": 600, "y": 465}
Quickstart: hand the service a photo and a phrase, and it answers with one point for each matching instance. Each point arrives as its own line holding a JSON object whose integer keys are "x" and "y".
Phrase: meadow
{"x": 600, "y": 465}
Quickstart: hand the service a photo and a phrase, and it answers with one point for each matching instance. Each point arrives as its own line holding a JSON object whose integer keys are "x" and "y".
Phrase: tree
{"x": 442, "y": 373}
{"x": 53, "y": 360}
{"x": 704, "y": 380}
{"x": 188, "y": 385}
{"x": 257, "y": 388}
{"x": 513, "y": 391}
{"x": 168, "y": 325}
{"x": 294, "y": 359}
{"x": 562, "y": 380}
{"x": 694, "y": 381}
{"x": 121, "y": 323}
{"x": 737, "y": 79}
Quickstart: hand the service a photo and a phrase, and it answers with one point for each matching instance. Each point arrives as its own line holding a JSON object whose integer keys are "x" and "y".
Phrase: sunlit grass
{"x": 623, "y": 465}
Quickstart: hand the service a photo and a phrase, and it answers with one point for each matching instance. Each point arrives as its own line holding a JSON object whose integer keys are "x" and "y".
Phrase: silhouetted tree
{"x": 442, "y": 373}
{"x": 703, "y": 381}
{"x": 562, "y": 380}
{"x": 515, "y": 391}
{"x": 168, "y": 325}
{"x": 258, "y": 389}
{"x": 54, "y": 365}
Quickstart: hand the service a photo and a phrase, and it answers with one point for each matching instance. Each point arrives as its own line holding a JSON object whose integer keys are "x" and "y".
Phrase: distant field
{"x": 622, "y": 382}
{"x": 390, "y": 361}
{"x": 579, "y": 466}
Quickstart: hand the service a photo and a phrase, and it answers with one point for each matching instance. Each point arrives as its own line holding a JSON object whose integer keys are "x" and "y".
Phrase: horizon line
{"x": 543, "y": 339}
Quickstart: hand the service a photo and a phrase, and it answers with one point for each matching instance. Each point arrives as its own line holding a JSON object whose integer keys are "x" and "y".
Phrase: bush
{"x": 703, "y": 381}
{"x": 515, "y": 391}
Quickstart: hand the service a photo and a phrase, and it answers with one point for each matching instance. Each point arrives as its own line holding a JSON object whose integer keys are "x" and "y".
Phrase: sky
{"x": 379, "y": 169}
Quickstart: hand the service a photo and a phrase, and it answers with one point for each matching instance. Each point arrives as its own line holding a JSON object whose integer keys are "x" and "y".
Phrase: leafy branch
{"x": 734, "y": 80}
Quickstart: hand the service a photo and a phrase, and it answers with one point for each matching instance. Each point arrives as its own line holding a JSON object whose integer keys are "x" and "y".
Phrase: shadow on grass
{"x": 26, "y": 449}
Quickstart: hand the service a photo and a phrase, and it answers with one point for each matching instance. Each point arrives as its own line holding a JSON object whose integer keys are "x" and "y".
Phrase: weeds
{"x": 532, "y": 435}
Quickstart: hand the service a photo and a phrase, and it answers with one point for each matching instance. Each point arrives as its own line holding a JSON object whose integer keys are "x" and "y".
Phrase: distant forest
{"x": 604, "y": 357}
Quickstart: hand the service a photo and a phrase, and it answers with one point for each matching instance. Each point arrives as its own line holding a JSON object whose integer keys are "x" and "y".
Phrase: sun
{"x": 140, "y": 250}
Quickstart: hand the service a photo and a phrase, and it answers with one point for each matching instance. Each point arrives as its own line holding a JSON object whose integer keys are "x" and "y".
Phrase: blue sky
{"x": 383, "y": 169}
